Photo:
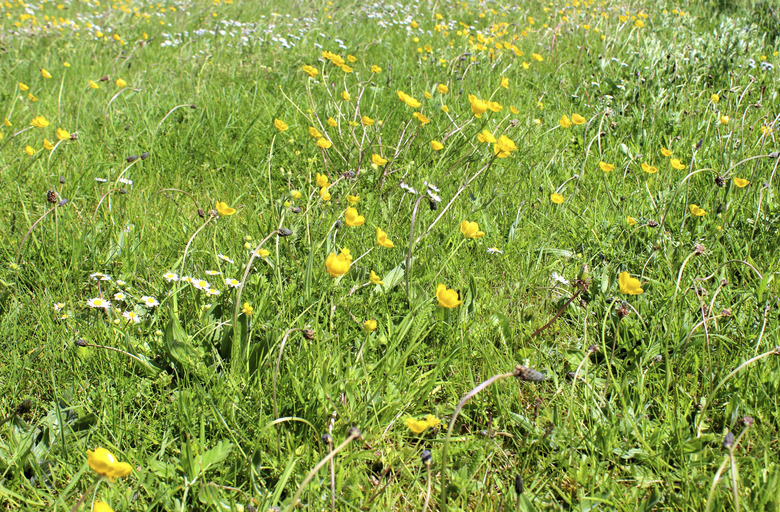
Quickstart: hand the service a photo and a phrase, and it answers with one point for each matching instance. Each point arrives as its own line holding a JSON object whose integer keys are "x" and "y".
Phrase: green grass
{"x": 218, "y": 409}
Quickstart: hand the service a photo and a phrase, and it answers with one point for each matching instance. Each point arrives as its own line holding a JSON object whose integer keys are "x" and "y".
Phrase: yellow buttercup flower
{"x": 436, "y": 145}
{"x": 352, "y": 218}
{"x": 338, "y": 265}
{"x": 375, "y": 279}
{"x": 31, "y": 97}
{"x": 504, "y": 147}
{"x": 324, "y": 143}
{"x": 649, "y": 168}
{"x": 322, "y": 180}
{"x": 247, "y": 309}
{"x": 62, "y": 134}
{"x": 604, "y": 166}
{"x": 741, "y": 182}
{"x": 310, "y": 70}
{"x": 629, "y": 285}
{"x": 295, "y": 194}
{"x": 120, "y": 83}
{"x": 382, "y": 240}
{"x": 631, "y": 221}
{"x": 280, "y": 125}
{"x": 332, "y": 122}
{"x": 40, "y": 122}
{"x": 677, "y": 164}
{"x": 345, "y": 96}
{"x": 427, "y": 95}
{"x": 101, "y": 506}
{"x": 23, "y": 87}
{"x": 421, "y": 117}
{"x": 666, "y": 152}
{"x": 325, "y": 194}
{"x": 724, "y": 119}
{"x": 537, "y": 57}
{"x": 577, "y": 119}
{"x": 447, "y": 298}
{"x": 29, "y": 150}
{"x": 367, "y": 121}
{"x": 471, "y": 229}
{"x": 47, "y": 145}
{"x": 353, "y": 200}
{"x": 505, "y": 83}
{"x": 408, "y": 100}
{"x": 478, "y": 106}
{"x": 697, "y": 211}
{"x": 93, "y": 84}
{"x": 556, "y": 198}
{"x": 45, "y": 74}
{"x": 443, "y": 89}
{"x": 714, "y": 98}
{"x": 378, "y": 160}
{"x": 376, "y": 69}
{"x": 420, "y": 426}
{"x": 224, "y": 209}
{"x": 315, "y": 133}
{"x": 370, "y": 325}
{"x": 105, "y": 464}
{"x": 565, "y": 122}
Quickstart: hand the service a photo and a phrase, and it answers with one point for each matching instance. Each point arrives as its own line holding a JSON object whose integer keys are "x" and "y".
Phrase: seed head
{"x": 327, "y": 439}
{"x": 528, "y": 374}
{"x": 519, "y": 484}
{"x": 426, "y": 457}
{"x": 285, "y": 232}
{"x": 51, "y": 196}
{"x": 308, "y": 334}
{"x": 81, "y": 343}
{"x": 728, "y": 440}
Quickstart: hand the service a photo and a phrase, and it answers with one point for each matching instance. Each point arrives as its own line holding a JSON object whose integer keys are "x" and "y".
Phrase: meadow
{"x": 422, "y": 255}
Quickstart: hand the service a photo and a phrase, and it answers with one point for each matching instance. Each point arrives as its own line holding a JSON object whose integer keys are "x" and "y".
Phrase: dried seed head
{"x": 327, "y": 439}
{"x": 593, "y": 348}
{"x": 528, "y": 374}
{"x": 103, "y": 78}
{"x": 774, "y": 154}
{"x": 308, "y": 334}
{"x": 699, "y": 144}
{"x": 81, "y": 343}
{"x": 122, "y": 191}
{"x": 74, "y": 136}
{"x": 623, "y": 310}
{"x": 214, "y": 213}
{"x": 62, "y": 202}
{"x": 426, "y": 457}
{"x": 132, "y": 158}
{"x": 519, "y": 484}
{"x": 295, "y": 209}
{"x": 285, "y": 232}
{"x": 434, "y": 205}
{"x": 201, "y": 213}
{"x": 652, "y": 224}
{"x": 349, "y": 175}
{"x": 728, "y": 440}
{"x": 699, "y": 249}
{"x": 51, "y": 196}
{"x": 144, "y": 155}
{"x": 24, "y": 407}
{"x": 719, "y": 181}
{"x": 62, "y": 180}
{"x": 193, "y": 106}
{"x": 658, "y": 358}
{"x": 726, "y": 313}
{"x": 337, "y": 224}
{"x": 353, "y": 432}
{"x": 748, "y": 421}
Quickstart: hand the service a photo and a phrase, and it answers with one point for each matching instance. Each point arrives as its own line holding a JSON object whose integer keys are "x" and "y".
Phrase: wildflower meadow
{"x": 409, "y": 255}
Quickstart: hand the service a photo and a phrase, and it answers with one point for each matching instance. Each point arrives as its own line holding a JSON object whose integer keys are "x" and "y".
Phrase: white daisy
{"x": 225, "y": 258}
{"x": 58, "y": 306}
{"x": 233, "y": 283}
{"x": 213, "y": 272}
{"x": 131, "y": 317}
{"x": 494, "y": 250}
{"x": 120, "y": 282}
{"x": 125, "y": 181}
{"x": 119, "y": 296}
{"x": 170, "y": 277}
{"x": 211, "y": 292}
{"x": 149, "y": 302}
{"x": 97, "y": 302}
{"x": 99, "y": 276}
{"x": 408, "y": 188}
{"x": 201, "y": 284}
{"x": 186, "y": 279}
{"x": 101, "y": 180}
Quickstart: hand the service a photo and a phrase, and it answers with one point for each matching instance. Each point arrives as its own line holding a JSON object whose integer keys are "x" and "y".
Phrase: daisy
{"x": 58, "y": 306}
{"x": 408, "y": 188}
{"x": 233, "y": 283}
{"x": 211, "y": 292}
{"x": 213, "y": 272}
{"x": 171, "y": 277}
{"x": 200, "y": 284}
{"x": 97, "y": 302}
{"x": 225, "y": 258}
{"x": 101, "y": 180}
{"x": 131, "y": 317}
{"x": 98, "y": 276}
{"x": 120, "y": 282}
{"x": 149, "y": 302}
{"x": 119, "y": 296}
{"x": 494, "y": 250}
{"x": 125, "y": 181}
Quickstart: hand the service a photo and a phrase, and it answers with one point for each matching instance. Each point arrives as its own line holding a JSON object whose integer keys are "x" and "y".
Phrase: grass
{"x": 546, "y": 386}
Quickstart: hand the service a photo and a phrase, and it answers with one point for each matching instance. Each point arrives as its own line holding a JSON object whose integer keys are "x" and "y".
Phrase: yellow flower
{"x": 7, "y": 122}
{"x": 353, "y": 200}
{"x": 280, "y": 125}
{"x": 629, "y": 285}
{"x": 338, "y": 265}
{"x": 370, "y": 325}
{"x": 421, "y": 117}
{"x": 367, "y": 121}
{"x": 347, "y": 69}
{"x": 478, "y": 107}
{"x": 325, "y": 194}
{"x": 295, "y": 194}
{"x": 724, "y": 119}
{"x": 606, "y": 167}
{"x": 696, "y": 211}
{"x": 224, "y": 209}
{"x": 47, "y": 145}
{"x": 427, "y": 95}
{"x": 62, "y": 134}
{"x": 505, "y": 83}
{"x": 649, "y": 168}
{"x": 443, "y": 89}
{"x": 310, "y": 70}
{"x": 513, "y": 110}
{"x": 31, "y": 97}
{"x": 565, "y": 121}
{"x": 40, "y": 122}
{"x": 504, "y": 147}
{"x": 376, "y": 69}
{"x": 332, "y": 122}
{"x": 22, "y": 87}
{"x": 324, "y": 143}
{"x": 378, "y": 160}
{"x": 345, "y": 96}
{"x": 408, "y": 100}
{"x": 247, "y": 309}
{"x": 639, "y": 23}
{"x": 714, "y": 98}
{"x": 445, "y": 109}
{"x": 315, "y": 133}
{"x": 577, "y": 119}
{"x": 766, "y": 130}
{"x": 666, "y": 152}
{"x": 631, "y": 221}
{"x": 352, "y": 218}
{"x": 486, "y": 136}
{"x": 420, "y": 426}
{"x": 494, "y": 106}
{"x": 375, "y": 279}
{"x": 45, "y": 74}
{"x": 436, "y": 145}
{"x": 556, "y": 198}
{"x": 120, "y": 83}
{"x": 677, "y": 164}
{"x": 101, "y": 506}
{"x": 322, "y": 180}
{"x": 447, "y": 298}
{"x": 741, "y": 182}
{"x": 382, "y": 240}
{"x": 471, "y": 229}
{"x": 29, "y": 150}
{"x": 263, "y": 253}
{"x": 93, "y": 84}
{"x": 105, "y": 464}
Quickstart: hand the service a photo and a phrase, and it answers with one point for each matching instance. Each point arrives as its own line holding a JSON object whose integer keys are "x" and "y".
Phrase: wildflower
{"x": 471, "y": 229}
{"x": 45, "y": 74}
{"x": 352, "y": 218}
{"x": 47, "y": 145}
{"x": 367, "y": 121}
{"x": 171, "y": 277}
{"x": 324, "y": 143}
{"x": 556, "y": 198}
{"x": 40, "y": 122}
{"x": 280, "y": 125}
{"x": 310, "y": 70}
{"x": 420, "y": 426}
{"x": 101, "y": 506}
{"x": 631, "y": 221}
{"x": 378, "y": 160}
{"x": 666, "y": 152}
{"x": 565, "y": 121}
{"x": 447, "y": 298}
{"x": 370, "y": 325}
{"x": 97, "y": 302}
{"x": 7, "y": 122}
{"x": 211, "y": 292}
{"x": 31, "y": 97}
{"x": 577, "y": 119}
{"x": 443, "y": 89}
{"x": 315, "y": 133}
{"x": 149, "y": 301}
{"x": 486, "y": 136}
{"x": 505, "y": 82}
{"x": 119, "y": 296}
{"x": 213, "y": 272}
{"x": 119, "y": 282}
{"x": 376, "y": 69}
{"x": 494, "y": 250}
{"x": 93, "y": 84}
{"x": 649, "y": 168}
{"x": 120, "y": 83}
{"x": 105, "y": 464}
{"x": 23, "y": 87}
{"x": 338, "y": 265}
{"x": 332, "y": 122}
{"x": 696, "y": 211}
{"x": 353, "y": 200}
{"x": 436, "y": 145}
{"x": 513, "y": 109}
{"x": 295, "y": 194}
{"x": 262, "y": 253}
{"x": 629, "y": 285}
{"x": 322, "y": 180}
{"x": 422, "y": 118}
{"x": 677, "y": 164}
{"x": 224, "y": 209}
{"x": 504, "y": 147}
{"x": 741, "y": 182}
{"x": 494, "y": 106}
{"x": 537, "y": 57}
{"x": 766, "y": 130}
{"x": 225, "y": 258}
{"x": 445, "y": 109}
{"x": 201, "y": 284}
{"x": 478, "y": 107}
{"x": 714, "y": 98}
{"x": 345, "y": 96}
{"x": 382, "y": 240}
{"x": 724, "y": 119}
{"x": 347, "y": 69}
{"x": 62, "y": 134}
{"x": 375, "y": 279}
{"x": 59, "y": 305}
{"x": 639, "y": 23}
{"x": 233, "y": 283}
{"x": 408, "y": 100}
{"x": 407, "y": 188}
{"x": 606, "y": 167}
{"x": 324, "y": 194}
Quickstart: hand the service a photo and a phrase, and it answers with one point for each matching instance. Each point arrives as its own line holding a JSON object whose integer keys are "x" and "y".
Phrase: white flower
{"x": 213, "y": 272}
{"x": 149, "y": 302}
{"x": 431, "y": 186}
{"x": 120, "y": 282}
{"x": 408, "y": 188}
{"x": 170, "y": 277}
{"x": 201, "y": 284}
{"x": 211, "y": 292}
{"x": 97, "y": 302}
{"x": 186, "y": 279}
{"x": 125, "y": 181}
{"x": 101, "y": 180}
{"x": 233, "y": 283}
{"x": 494, "y": 250}
{"x": 131, "y": 317}
{"x": 58, "y": 306}
{"x": 119, "y": 296}
{"x": 225, "y": 258}
{"x": 557, "y": 278}
{"x": 98, "y": 276}
{"x": 434, "y": 196}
